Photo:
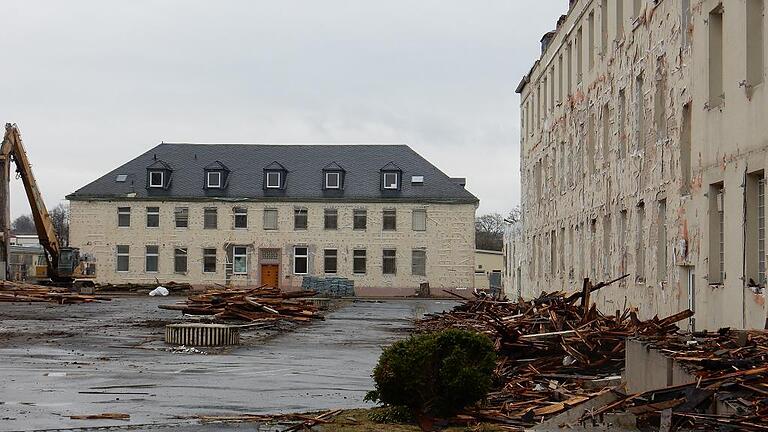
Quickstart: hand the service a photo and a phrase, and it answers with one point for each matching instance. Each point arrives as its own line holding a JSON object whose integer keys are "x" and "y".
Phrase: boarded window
{"x": 420, "y": 220}
{"x": 209, "y": 260}
{"x": 270, "y": 219}
{"x": 419, "y": 262}
{"x": 123, "y": 258}
{"x": 389, "y": 261}
{"x": 359, "y": 258}
{"x": 180, "y": 260}
{"x": 123, "y": 216}
{"x": 210, "y": 218}
{"x": 152, "y": 258}
{"x": 181, "y": 215}
{"x": 153, "y": 217}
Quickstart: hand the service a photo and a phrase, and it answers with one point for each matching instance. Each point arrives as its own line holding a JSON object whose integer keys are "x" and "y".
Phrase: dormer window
{"x": 214, "y": 180}
{"x": 390, "y": 180}
{"x": 273, "y": 180}
{"x": 391, "y": 177}
{"x": 333, "y": 177}
{"x": 332, "y": 180}
{"x": 156, "y": 179}
{"x": 274, "y": 176}
{"x": 216, "y": 176}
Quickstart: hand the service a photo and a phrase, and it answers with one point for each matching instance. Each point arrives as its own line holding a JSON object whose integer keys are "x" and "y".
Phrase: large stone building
{"x": 643, "y": 151}
{"x": 380, "y": 215}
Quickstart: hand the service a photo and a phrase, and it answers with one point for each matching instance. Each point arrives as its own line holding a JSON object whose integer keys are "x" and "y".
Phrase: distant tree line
{"x": 489, "y": 229}
{"x": 25, "y": 224}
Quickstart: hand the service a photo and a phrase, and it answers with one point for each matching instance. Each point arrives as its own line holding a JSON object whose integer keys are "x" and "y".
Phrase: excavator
{"x": 64, "y": 266}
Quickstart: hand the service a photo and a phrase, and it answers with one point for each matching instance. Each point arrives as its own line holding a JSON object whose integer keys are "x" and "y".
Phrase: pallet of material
{"x": 259, "y": 304}
{"x": 554, "y": 352}
{"x": 25, "y": 292}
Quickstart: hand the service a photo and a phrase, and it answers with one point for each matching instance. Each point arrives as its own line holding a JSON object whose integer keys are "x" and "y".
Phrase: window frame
{"x": 207, "y": 211}
{"x": 414, "y": 212}
{"x": 423, "y": 264}
{"x": 241, "y": 212}
{"x": 333, "y": 256}
{"x": 207, "y": 255}
{"x": 387, "y": 185}
{"x": 355, "y": 214}
{"x": 305, "y": 256}
{"x": 328, "y": 175}
{"x": 155, "y": 255}
{"x": 121, "y": 211}
{"x": 155, "y": 213}
{"x": 331, "y": 214}
{"x": 154, "y": 185}
{"x": 276, "y": 213}
{"x": 384, "y": 214}
{"x": 178, "y": 211}
{"x": 279, "y": 175}
{"x": 384, "y": 259}
{"x": 176, "y": 256}
{"x": 126, "y": 254}
{"x": 208, "y": 182}
{"x": 297, "y": 211}
{"x": 235, "y": 256}
{"x": 355, "y": 257}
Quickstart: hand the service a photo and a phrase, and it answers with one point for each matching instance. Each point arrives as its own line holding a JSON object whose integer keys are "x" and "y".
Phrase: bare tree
{"x": 489, "y": 232}
{"x": 23, "y": 225}
{"x": 60, "y": 219}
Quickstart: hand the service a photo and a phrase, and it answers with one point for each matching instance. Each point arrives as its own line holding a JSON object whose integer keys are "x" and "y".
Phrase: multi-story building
{"x": 380, "y": 215}
{"x": 643, "y": 152}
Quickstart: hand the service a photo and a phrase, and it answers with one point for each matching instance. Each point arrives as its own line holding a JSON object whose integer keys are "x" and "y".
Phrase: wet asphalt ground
{"x": 61, "y": 360}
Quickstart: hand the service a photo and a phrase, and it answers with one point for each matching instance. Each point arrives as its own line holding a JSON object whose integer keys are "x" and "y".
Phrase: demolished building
{"x": 643, "y": 153}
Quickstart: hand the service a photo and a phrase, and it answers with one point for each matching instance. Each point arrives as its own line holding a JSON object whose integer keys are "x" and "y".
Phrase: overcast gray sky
{"x": 94, "y": 83}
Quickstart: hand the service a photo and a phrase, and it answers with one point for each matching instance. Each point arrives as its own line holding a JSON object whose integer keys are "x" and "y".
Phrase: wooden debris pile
{"x": 172, "y": 287}
{"x": 250, "y": 304}
{"x": 728, "y": 392}
{"x": 25, "y": 292}
{"x": 301, "y": 422}
{"x": 554, "y": 352}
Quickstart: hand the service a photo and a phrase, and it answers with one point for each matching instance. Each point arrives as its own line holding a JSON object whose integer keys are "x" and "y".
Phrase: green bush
{"x": 436, "y": 374}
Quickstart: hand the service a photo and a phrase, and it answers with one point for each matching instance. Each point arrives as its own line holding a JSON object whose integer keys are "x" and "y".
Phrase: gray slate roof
{"x": 304, "y": 163}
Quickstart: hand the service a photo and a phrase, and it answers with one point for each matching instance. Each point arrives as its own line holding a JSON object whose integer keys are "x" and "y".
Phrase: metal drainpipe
{"x": 743, "y": 249}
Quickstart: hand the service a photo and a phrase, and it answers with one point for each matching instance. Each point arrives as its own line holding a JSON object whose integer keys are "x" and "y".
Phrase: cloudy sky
{"x": 93, "y": 83}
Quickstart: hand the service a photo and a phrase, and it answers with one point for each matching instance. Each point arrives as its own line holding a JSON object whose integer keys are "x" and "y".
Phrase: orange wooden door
{"x": 269, "y": 274}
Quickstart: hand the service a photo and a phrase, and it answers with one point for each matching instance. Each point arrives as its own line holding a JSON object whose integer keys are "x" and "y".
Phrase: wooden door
{"x": 269, "y": 275}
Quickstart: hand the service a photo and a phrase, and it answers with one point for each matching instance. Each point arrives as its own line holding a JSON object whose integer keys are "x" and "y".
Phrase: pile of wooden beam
{"x": 172, "y": 287}
{"x": 728, "y": 389}
{"x": 26, "y": 292}
{"x": 250, "y": 304}
{"x": 554, "y": 352}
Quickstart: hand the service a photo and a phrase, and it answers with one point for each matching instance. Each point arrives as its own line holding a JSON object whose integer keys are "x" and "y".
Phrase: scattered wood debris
{"x": 554, "y": 352}
{"x": 173, "y": 287}
{"x": 250, "y": 304}
{"x": 26, "y": 292}
{"x": 299, "y": 421}
{"x": 730, "y": 391}
{"x": 103, "y": 416}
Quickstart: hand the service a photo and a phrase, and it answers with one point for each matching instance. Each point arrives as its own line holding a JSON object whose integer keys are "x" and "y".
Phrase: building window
{"x": 241, "y": 217}
{"x": 640, "y": 243}
{"x": 754, "y": 42}
{"x": 390, "y": 180}
{"x": 419, "y": 220}
{"x": 661, "y": 244}
{"x": 123, "y": 216}
{"x": 419, "y": 262}
{"x": 123, "y": 258}
{"x": 716, "y": 91}
{"x": 755, "y": 229}
{"x": 639, "y": 114}
{"x": 153, "y": 217}
{"x": 389, "y": 261}
{"x": 270, "y": 219}
{"x": 619, "y": 19}
{"x": 761, "y": 231}
{"x": 152, "y": 259}
{"x": 209, "y": 260}
{"x": 300, "y": 218}
{"x": 360, "y": 219}
{"x": 240, "y": 260}
{"x": 210, "y": 218}
{"x": 331, "y": 219}
{"x": 621, "y": 117}
{"x": 214, "y": 179}
{"x": 180, "y": 260}
{"x": 300, "y": 260}
{"x": 156, "y": 179}
{"x": 273, "y": 180}
{"x": 359, "y": 258}
{"x": 333, "y": 180}
{"x": 591, "y": 41}
{"x": 716, "y": 234}
{"x": 389, "y": 222}
{"x": 181, "y": 215}
{"x": 330, "y": 260}
{"x": 685, "y": 151}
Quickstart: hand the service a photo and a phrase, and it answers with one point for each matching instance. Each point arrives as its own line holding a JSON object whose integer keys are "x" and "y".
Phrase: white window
{"x": 152, "y": 259}
{"x": 273, "y": 180}
{"x": 156, "y": 179}
{"x": 241, "y": 217}
{"x": 240, "y": 260}
{"x": 390, "y": 180}
{"x": 417, "y": 179}
{"x": 123, "y": 258}
{"x": 300, "y": 260}
{"x": 332, "y": 180}
{"x": 214, "y": 179}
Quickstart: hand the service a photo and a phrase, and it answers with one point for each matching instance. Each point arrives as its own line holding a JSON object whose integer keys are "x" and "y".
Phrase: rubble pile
{"x": 250, "y": 304}
{"x": 728, "y": 390}
{"x": 554, "y": 352}
{"x": 172, "y": 287}
{"x": 26, "y": 292}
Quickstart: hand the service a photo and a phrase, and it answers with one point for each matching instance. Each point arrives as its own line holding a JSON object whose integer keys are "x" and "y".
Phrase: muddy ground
{"x": 61, "y": 360}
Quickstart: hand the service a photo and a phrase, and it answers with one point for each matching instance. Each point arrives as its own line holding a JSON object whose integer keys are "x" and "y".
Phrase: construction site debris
{"x": 729, "y": 389}
{"x": 302, "y": 421}
{"x": 25, "y": 292}
{"x": 104, "y": 416}
{"x": 172, "y": 287}
{"x": 553, "y": 353}
{"x": 261, "y": 304}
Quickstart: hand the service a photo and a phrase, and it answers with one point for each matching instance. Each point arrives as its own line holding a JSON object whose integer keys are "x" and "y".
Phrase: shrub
{"x": 436, "y": 374}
